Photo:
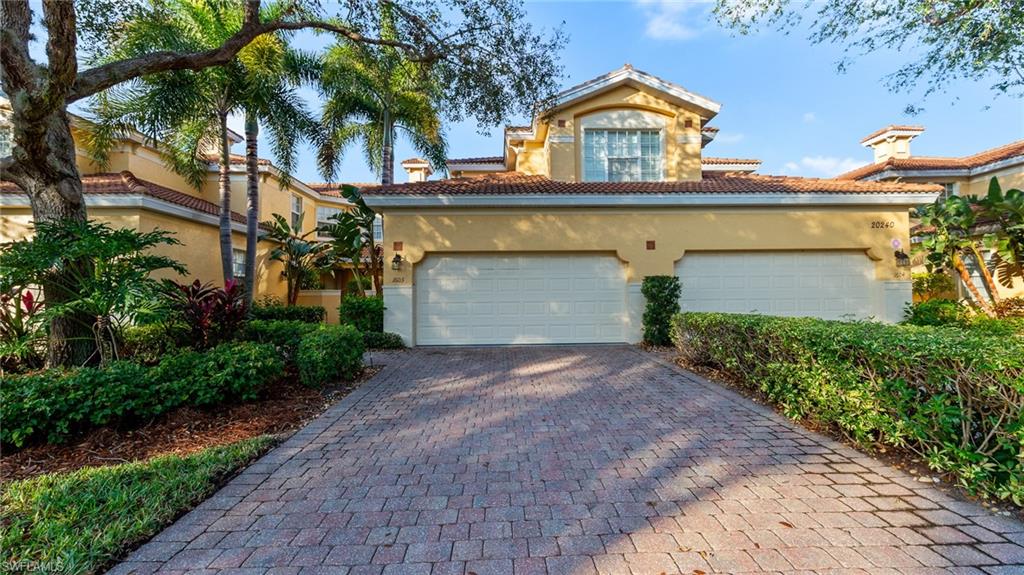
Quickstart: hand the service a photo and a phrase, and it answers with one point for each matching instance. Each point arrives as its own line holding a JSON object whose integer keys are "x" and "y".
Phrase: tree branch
{"x": 18, "y": 70}
{"x": 59, "y": 16}
{"x": 102, "y": 77}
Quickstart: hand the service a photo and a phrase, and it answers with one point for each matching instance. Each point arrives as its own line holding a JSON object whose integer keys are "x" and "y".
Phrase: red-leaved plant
{"x": 213, "y": 315}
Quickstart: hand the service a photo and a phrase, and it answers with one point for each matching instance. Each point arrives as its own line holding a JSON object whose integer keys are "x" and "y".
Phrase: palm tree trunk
{"x": 965, "y": 277}
{"x": 252, "y": 205}
{"x": 387, "y": 172}
{"x": 986, "y": 275}
{"x": 225, "y": 199}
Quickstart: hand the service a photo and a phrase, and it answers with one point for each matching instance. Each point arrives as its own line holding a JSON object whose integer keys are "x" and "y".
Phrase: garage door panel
{"x": 823, "y": 284}
{"x": 520, "y": 299}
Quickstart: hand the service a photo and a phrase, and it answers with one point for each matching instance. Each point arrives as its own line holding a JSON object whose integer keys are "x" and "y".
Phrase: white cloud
{"x": 821, "y": 166}
{"x": 809, "y": 117}
{"x": 728, "y": 138}
{"x": 673, "y": 19}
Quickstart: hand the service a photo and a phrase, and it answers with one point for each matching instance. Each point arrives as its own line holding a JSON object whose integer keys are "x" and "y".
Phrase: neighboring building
{"x": 137, "y": 189}
{"x": 962, "y": 176}
{"x": 549, "y": 242}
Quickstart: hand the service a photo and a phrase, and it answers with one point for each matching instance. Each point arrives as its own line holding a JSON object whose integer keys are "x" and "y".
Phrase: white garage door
{"x": 827, "y": 284}
{"x": 471, "y": 299}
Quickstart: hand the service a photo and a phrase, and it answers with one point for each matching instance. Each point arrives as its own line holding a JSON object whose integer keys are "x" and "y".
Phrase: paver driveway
{"x": 570, "y": 460}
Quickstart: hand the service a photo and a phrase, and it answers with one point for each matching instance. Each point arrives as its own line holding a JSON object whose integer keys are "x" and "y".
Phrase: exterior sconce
{"x": 396, "y": 262}
{"x": 902, "y": 259}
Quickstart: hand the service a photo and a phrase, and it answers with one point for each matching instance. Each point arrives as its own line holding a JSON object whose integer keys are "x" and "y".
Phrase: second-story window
{"x": 378, "y": 229}
{"x": 622, "y": 155}
{"x": 948, "y": 190}
{"x": 297, "y": 213}
{"x": 324, "y": 215}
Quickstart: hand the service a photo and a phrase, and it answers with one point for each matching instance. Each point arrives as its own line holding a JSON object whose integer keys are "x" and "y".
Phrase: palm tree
{"x": 948, "y": 239}
{"x": 300, "y": 255}
{"x": 372, "y": 93}
{"x": 187, "y": 112}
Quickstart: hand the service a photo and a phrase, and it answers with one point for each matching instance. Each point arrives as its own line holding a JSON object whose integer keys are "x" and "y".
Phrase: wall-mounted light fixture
{"x": 396, "y": 262}
{"x": 902, "y": 259}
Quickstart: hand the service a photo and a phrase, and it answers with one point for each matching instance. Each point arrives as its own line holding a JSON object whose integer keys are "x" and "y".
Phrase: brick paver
{"x": 570, "y": 460}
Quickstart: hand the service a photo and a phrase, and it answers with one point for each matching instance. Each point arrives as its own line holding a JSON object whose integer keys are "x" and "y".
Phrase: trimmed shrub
{"x": 662, "y": 294}
{"x": 936, "y": 312}
{"x": 365, "y": 313}
{"x": 933, "y": 285}
{"x": 306, "y": 313}
{"x": 56, "y": 404}
{"x": 282, "y": 334}
{"x": 951, "y": 396}
{"x": 382, "y": 340}
{"x": 329, "y": 354}
{"x": 1009, "y": 307}
{"x": 150, "y": 343}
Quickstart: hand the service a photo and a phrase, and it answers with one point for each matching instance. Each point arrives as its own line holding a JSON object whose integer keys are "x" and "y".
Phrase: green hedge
{"x": 54, "y": 405}
{"x": 150, "y": 343}
{"x": 953, "y": 397}
{"x": 382, "y": 340}
{"x": 365, "y": 313}
{"x": 949, "y": 313}
{"x": 662, "y": 295}
{"x": 285, "y": 335}
{"x": 82, "y": 521}
{"x": 306, "y": 313}
{"x": 329, "y": 354}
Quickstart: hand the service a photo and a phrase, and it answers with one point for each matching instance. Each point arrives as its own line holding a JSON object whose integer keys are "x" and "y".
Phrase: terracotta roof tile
{"x": 333, "y": 190}
{"x": 709, "y": 129}
{"x": 478, "y": 160}
{"x": 236, "y": 159}
{"x": 514, "y": 183}
{"x": 900, "y": 127}
{"x": 719, "y": 161}
{"x": 1005, "y": 152}
{"x": 125, "y": 183}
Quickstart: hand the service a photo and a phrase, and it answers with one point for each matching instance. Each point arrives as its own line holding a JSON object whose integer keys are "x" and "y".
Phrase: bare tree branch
{"x": 59, "y": 17}
{"x": 18, "y": 70}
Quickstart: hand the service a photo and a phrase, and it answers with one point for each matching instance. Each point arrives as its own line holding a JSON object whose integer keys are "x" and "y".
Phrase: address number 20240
{"x": 883, "y": 224}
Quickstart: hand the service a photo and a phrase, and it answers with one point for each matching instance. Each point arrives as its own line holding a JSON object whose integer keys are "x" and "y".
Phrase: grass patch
{"x": 79, "y": 522}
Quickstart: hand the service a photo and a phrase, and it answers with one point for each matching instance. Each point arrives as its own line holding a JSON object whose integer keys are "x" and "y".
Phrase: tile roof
{"x": 125, "y": 183}
{"x": 892, "y": 127}
{"x": 1005, "y": 152}
{"x": 478, "y": 160}
{"x": 711, "y": 129}
{"x": 506, "y": 183}
{"x": 333, "y": 190}
{"x": 718, "y": 161}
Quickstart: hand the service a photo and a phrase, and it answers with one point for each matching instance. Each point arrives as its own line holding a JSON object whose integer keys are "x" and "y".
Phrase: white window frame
{"x": 297, "y": 205}
{"x": 378, "y": 229}
{"x": 659, "y": 138}
{"x": 323, "y": 217}
{"x": 950, "y": 189}
{"x": 238, "y": 262}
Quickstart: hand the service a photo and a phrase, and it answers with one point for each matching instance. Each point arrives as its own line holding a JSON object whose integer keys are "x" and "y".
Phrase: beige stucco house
{"x": 962, "y": 176}
{"x": 549, "y": 241}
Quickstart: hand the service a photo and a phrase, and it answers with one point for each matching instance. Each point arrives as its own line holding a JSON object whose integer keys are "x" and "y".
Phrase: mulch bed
{"x": 285, "y": 408}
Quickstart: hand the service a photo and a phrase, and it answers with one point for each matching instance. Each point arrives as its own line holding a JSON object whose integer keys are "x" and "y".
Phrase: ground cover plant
{"x": 952, "y": 397}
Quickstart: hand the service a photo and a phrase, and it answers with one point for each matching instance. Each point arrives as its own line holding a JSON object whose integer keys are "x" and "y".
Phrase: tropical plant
{"x": 185, "y": 113}
{"x": 103, "y": 275}
{"x": 489, "y": 59}
{"x": 352, "y": 240}
{"x": 372, "y": 92}
{"x": 1006, "y": 210}
{"x": 296, "y": 252}
{"x": 22, "y": 331}
{"x": 931, "y": 285}
{"x": 947, "y": 239}
{"x": 212, "y": 315}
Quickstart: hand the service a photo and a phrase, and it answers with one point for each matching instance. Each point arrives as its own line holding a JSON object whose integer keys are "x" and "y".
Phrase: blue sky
{"x": 782, "y": 99}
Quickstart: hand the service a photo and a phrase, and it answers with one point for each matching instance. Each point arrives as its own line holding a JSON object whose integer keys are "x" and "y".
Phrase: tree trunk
{"x": 47, "y": 172}
{"x": 225, "y": 200}
{"x": 376, "y": 269}
{"x": 252, "y": 205}
{"x": 387, "y": 171}
{"x": 965, "y": 277}
{"x": 986, "y": 275}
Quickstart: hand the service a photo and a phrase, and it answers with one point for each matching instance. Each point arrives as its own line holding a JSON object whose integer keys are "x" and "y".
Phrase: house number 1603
{"x": 883, "y": 225}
